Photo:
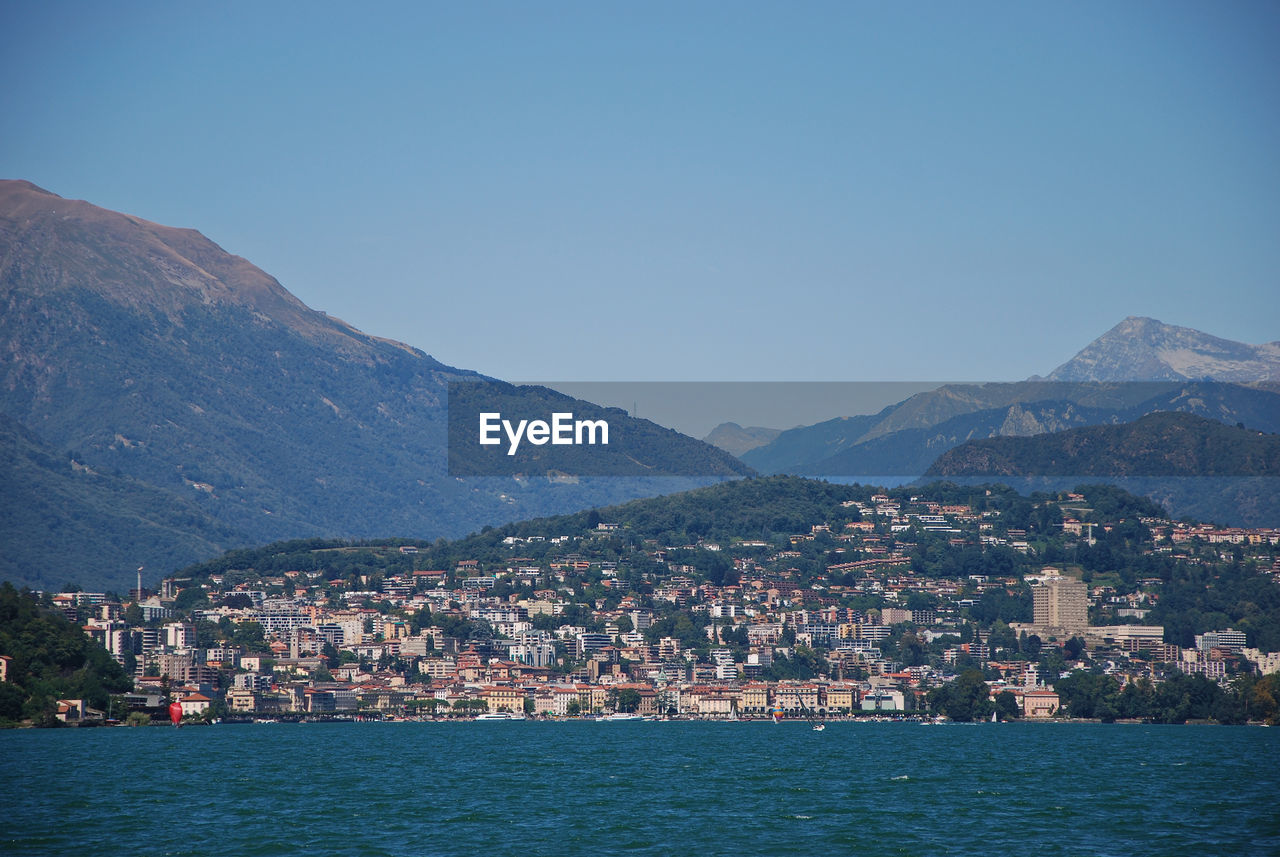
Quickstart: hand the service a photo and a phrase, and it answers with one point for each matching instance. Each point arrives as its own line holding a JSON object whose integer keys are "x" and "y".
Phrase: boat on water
{"x": 500, "y": 715}
{"x": 817, "y": 717}
{"x": 620, "y": 716}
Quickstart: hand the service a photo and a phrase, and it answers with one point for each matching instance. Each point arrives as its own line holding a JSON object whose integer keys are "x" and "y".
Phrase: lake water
{"x": 595, "y": 788}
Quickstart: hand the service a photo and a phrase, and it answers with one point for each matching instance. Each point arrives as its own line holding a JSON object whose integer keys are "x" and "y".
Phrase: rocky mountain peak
{"x": 1145, "y": 349}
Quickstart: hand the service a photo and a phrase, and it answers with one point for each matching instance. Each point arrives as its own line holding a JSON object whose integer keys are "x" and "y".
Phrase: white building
{"x": 1229, "y": 639}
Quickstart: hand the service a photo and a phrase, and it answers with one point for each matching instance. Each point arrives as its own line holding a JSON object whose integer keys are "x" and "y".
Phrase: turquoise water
{"x": 641, "y": 788}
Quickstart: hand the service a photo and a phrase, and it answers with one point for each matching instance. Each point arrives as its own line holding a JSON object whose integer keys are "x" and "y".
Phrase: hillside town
{"x": 848, "y": 617}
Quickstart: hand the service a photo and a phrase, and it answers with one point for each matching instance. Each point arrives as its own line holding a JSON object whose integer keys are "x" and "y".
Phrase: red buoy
{"x": 175, "y": 712}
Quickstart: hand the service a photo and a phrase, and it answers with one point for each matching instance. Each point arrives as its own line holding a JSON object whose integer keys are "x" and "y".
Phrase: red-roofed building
{"x": 195, "y": 704}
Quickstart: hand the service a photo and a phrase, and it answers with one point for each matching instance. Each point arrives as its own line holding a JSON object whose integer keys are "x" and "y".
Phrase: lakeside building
{"x": 1040, "y": 703}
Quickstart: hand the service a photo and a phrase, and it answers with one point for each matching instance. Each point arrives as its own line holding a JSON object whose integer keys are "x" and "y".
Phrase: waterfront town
{"x": 870, "y": 611}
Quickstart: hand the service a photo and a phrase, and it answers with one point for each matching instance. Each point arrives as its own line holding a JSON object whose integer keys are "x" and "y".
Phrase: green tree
{"x": 11, "y": 701}
{"x": 470, "y": 706}
{"x": 965, "y": 699}
{"x": 52, "y": 659}
{"x": 628, "y": 700}
{"x": 247, "y": 634}
{"x": 1002, "y": 638}
{"x": 1089, "y": 695}
{"x": 1007, "y": 705}
{"x": 1262, "y": 701}
{"x": 911, "y": 650}
{"x": 429, "y": 705}
{"x": 133, "y": 615}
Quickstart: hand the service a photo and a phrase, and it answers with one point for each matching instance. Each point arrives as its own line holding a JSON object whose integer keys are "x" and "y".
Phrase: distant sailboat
{"x": 816, "y": 721}
{"x": 994, "y": 718}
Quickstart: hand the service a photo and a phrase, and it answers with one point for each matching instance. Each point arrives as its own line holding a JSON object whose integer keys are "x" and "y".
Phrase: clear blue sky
{"x": 669, "y": 191}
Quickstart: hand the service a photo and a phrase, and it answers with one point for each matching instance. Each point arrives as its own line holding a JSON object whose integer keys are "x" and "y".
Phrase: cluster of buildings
{"x": 495, "y": 634}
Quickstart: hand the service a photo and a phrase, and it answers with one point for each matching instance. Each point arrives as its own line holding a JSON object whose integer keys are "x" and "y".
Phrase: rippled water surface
{"x": 641, "y": 788}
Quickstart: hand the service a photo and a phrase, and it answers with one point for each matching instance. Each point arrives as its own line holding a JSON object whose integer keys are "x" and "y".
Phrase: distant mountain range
{"x": 1139, "y": 367}
{"x": 904, "y": 439}
{"x": 233, "y": 414}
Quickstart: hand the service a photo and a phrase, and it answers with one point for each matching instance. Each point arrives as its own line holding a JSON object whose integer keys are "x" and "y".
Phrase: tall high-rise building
{"x": 1060, "y": 604}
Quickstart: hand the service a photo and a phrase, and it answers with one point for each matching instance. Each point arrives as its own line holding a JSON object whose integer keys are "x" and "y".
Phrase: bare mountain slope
{"x": 1144, "y": 349}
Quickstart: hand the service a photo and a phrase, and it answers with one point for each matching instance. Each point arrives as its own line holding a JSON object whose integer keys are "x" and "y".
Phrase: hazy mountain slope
{"x": 60, "y": 520}
{"x": 150, "y": 350}
{"x": 800, "y": 449}
{"x": 1195, "y": 467}
{"x": 935, "y": 407}
{"x": 910, "y": 451}
{"x": 1158, "y": 444}
{"x": 736, "y": 440}
{"x": 1144, "y": 349}
{"x": 803, "y": 444}
{"x": 905, "y": 438}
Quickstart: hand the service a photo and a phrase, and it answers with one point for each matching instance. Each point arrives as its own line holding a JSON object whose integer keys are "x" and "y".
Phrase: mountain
{"x": 149, "y": 352}
{"x": 905, "y": 438}
{"x": 809, "y": 443}
{"x": 909, "y": 451}
{"x": 1193, "y": 466}
{"x": 1139, "y": 366}
{"x": 735, "y": 440}
{"x": 1158, "y": 444}
{"x": 59, "y": 518}
{"x": 1144, "y": 349}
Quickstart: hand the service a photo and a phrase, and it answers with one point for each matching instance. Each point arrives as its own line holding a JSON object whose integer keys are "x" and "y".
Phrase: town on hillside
{"x": 906, "y": 603}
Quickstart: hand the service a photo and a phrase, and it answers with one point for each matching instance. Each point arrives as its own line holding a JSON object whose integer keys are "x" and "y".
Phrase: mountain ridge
{"x": 148, "y": 351}
{"x": 1155, "y": 444}
{"x": 735, "y": 439}
{"x": 88, "y": 241}
{"x": 1135, "y": 361}
{"x": 913, "y": 432}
